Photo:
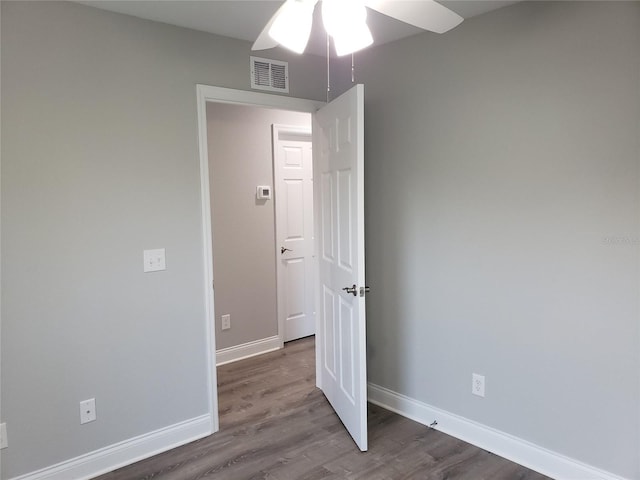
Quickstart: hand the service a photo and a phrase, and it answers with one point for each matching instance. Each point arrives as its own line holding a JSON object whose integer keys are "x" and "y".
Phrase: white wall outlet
{"x": 226, "y": 322}
{"x": 477, "y": 384}
{"x": 154, "y": 260}
{"x": 3, "y": 436}
{"x": 87, "y": 411}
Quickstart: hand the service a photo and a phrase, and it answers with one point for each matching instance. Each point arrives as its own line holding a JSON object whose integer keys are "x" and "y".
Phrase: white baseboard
{"x": 507, "y": 446}
{"x": 124, "y": 453}
{"x": 246, "y": 350}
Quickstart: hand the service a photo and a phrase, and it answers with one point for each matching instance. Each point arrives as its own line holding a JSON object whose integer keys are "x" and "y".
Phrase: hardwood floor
{"x": 275, "y": 425}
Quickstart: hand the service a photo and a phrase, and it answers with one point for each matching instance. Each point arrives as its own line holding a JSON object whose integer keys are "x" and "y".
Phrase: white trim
{"x": 124, "y": 453}
{"x": 212, "y": 378}
{"x": 249, "y": 349}
{"x": 301, "y": 130}
{"x": 507, "y": 446}
{"x": 265, "y": 100}
{"x": 316, "y": 139}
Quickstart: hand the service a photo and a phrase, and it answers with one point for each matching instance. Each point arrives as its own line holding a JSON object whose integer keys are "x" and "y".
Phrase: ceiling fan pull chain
{"x": 353, "y": 70}
{"x": 328, "y": 71}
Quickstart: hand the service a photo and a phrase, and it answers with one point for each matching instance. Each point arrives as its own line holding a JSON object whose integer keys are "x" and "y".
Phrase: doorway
{"x": 249, "y": 178}
{"x": 338, "y": 133}
{"x": 207, "y": 94}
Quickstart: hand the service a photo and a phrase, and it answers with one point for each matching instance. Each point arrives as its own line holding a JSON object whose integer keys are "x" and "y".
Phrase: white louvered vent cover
{"x": 272, "y": 75}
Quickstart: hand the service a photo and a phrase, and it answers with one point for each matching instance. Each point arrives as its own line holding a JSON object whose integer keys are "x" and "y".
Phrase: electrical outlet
{"x": 226, "y": 322}
{"x": 3, "y": 436}
{"x": 87, "y": 411}
{"x": 477, "y": 385}
{"x": 154, "y": 260}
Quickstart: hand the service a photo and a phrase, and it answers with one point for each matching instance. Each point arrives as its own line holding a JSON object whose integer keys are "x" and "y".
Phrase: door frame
{"x": 204, "y": 94}
{"x": 276, "y": 129}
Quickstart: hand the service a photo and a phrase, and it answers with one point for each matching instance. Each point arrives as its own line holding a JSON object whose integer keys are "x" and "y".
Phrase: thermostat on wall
{"x": 263, "y": 192}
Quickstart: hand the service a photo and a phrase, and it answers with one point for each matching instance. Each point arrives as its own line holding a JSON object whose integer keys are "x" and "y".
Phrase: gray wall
{"x": 244, "y": 261}
{"x": 502, "y": 223}
{"x": 501, "y": 158}
{"x": 100, "y": 161}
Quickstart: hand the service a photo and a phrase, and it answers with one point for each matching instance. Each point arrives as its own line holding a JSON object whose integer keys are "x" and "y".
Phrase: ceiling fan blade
{"x": 425, "y": 14}
{"x": 264, "y": 41}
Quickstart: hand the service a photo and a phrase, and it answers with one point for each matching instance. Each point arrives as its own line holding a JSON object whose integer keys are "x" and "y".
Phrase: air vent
{"x": 271, "y": 75}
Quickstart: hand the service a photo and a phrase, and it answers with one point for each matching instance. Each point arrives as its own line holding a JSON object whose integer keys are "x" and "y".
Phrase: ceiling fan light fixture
{"x": 292, "y": 21}
{"x": 346, "y": 22}
{"x": 332, "y": 18}
{"x": 339, "y": 16}
{"x": 292, "y": 27}
{"x": 357, "y": 38}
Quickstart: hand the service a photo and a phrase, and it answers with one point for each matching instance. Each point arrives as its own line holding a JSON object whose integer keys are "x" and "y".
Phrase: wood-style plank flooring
{"x": 275, "y": 425}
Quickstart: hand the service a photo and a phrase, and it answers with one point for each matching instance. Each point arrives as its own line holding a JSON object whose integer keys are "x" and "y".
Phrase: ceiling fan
{"x": 345, "y": 22}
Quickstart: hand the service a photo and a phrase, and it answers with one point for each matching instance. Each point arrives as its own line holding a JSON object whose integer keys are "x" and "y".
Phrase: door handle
{"x": 364, "y": 290}
{"x": 353, "y": 290}
{"x": 283, "y": 249}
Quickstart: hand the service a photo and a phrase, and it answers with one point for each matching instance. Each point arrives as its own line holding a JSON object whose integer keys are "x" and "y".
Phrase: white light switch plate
{"x": 154, "y": 260}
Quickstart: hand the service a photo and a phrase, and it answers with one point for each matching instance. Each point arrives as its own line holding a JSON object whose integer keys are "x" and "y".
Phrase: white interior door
{"x": 338, "y": 135}
{"x": 292, "y": 157}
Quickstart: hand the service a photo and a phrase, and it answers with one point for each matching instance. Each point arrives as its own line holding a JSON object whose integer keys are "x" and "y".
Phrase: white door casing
{"x": 338, "y": 137}
{"x": 204, "y": 94}
{"x": 292, "y": 159}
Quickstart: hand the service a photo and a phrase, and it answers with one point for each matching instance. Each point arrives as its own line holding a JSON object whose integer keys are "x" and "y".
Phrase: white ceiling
{"x": 244, "y": 19}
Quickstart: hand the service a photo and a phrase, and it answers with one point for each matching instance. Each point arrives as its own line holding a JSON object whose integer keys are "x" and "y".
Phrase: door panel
{"x": 338, "y": 134}
{"x": 293, "y": 198}
{"x": 296, "y": 287}
{"x": 329, "y": 320}
{"x": 327, "y": 217}
{"x": 293, "y": 169}
{"x": 344, "y": 209}
{"x": 347, "y": 360}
